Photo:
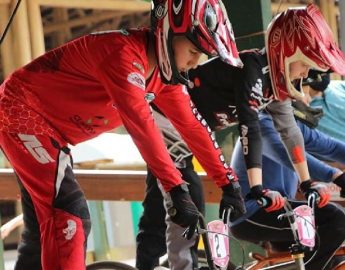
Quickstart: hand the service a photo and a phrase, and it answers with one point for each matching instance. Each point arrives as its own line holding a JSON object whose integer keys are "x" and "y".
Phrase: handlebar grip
{"x": 262, "y": 202}
{"x": 231, "y": 209}
{"x": 313, "y": 198}
{"x": 226, "y": 215}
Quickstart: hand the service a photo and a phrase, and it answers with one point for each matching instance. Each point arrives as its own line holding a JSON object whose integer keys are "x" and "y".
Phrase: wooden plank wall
{"x": 115, "y": 185}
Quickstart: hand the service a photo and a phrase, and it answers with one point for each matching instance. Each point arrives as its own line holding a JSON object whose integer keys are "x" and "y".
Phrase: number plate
{"x": 305, "y": 225}
{"x": 219, "y": 243}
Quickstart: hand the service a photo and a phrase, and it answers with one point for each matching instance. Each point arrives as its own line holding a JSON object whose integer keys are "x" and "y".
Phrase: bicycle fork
{"x": 207, "y": 247}
{"x": 297, "y": 249}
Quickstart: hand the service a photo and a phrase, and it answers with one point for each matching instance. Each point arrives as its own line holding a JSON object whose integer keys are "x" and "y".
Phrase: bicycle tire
{"x": 202, "y": 261}
{"x": 109, "y": 265}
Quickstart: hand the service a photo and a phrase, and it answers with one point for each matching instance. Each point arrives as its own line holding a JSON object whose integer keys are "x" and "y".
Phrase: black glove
{"x": 340, "y": 181}
{"x": 268, "y": 199}
{"x": 182, "y": 210}
{"x": 309, "y": 186}
{"x": 307, "y": 115}
{"x": 231, "y": 203}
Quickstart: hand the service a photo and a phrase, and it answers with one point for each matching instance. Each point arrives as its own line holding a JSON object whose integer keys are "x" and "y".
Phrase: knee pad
{"x": 70, "y": 197}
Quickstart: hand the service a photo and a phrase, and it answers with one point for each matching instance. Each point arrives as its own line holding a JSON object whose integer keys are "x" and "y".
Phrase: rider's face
{"x": 298, "y": 70}
{"x": 186, "y": 54}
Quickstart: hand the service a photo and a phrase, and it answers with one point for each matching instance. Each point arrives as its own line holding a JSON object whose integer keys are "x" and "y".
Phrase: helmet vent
{"x": 177, "y": 6}
{"x": 160, "y": 11}
{"x": 210, "y": 19}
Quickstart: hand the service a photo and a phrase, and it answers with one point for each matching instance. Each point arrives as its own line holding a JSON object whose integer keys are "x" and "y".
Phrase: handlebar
{"x": 313, "y": 199}
{"x": 200, "y": 228}
{"x": 262, "y": 202}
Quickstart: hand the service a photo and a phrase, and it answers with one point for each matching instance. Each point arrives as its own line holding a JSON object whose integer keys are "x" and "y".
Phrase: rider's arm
{"x": 248, "y": 104}
{"x": 320, "y": 170}
{"x": 175, "y": 103}
{"x": 291, "y": 135}
{"x": 274, "y": 149}
{"x": 126, "y": 86}
{"x": 322, "y": 145}
{"x": 176, "y": 146}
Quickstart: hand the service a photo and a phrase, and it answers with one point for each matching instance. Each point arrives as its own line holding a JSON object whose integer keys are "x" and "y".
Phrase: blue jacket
{"x": 278, "y": 172}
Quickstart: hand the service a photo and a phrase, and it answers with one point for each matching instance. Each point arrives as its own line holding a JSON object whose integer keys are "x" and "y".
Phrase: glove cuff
{"x": 231, "y": 187}
{"x": 305, "y": 185}
{"x": 179, "y": 189}
{"x": 340, "y": 180}
{"x": 256, "y": 192}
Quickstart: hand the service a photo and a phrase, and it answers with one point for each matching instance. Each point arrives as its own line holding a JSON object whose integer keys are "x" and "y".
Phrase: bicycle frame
{"x": 297, "y": 252}
{"x": 297, "y": 249}
{"x": 201, "y": 229}
{"x": 218, "y": 231}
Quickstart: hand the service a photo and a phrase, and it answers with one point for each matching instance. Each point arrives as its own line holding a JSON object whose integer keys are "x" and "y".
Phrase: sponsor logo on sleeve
{"x": 89, "y": 125}
{"x": 70, "y": 230}
{"x": 139, "y": 67}
{"x": 257, "y": 100}
{"x": 210, "y": 133}
{"x": 137, "y": 80}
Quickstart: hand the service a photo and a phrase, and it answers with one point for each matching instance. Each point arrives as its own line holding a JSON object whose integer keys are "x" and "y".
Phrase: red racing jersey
{"x": 96, "y": 83}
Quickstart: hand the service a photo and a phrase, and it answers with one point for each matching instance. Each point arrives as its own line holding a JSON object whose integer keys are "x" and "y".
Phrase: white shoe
{"x": 161, "y": 268}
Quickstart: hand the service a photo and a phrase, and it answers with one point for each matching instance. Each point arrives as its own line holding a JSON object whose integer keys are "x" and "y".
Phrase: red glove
{"x": 268, "y": 199}
{"x": 310, "y": 186}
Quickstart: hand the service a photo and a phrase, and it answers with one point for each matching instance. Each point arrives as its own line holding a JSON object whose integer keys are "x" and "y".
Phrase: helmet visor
{"x": 212, "y": 34}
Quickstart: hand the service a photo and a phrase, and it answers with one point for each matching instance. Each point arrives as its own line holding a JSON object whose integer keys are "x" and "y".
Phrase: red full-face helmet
{"x": 204, "y": 22}
{"x": 300, "y": 34}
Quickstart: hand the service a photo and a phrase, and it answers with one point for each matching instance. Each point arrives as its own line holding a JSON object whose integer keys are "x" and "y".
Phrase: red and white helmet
{"x": 300, "y": 34}
{"x": 204, "y": 22}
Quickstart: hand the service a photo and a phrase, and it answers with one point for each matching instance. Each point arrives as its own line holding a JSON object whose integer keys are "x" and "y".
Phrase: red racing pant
{"x": 56, "y": 215}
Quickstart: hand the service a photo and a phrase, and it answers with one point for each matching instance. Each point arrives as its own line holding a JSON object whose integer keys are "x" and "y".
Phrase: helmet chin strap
{"x": 183, "y": 79}
{"x": 177, "y": 77}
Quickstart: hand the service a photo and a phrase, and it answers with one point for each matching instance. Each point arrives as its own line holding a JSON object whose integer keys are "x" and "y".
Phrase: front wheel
{"x": 109, "y": 265}
{"x": 202, "y": 261}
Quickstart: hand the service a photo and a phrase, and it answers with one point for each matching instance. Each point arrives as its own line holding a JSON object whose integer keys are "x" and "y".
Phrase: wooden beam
{"x": 36, "y": 29}
{"x": 21, "y": 36}
{"x": 127, "y": 5}
{"x": 277, "y": 8}
{"x": 61, "y": 15}
{"x": 49, "y": 28}
{"x": 6, "y": 48}
{"x": 121, "y": 185}
{"x": 105, "y": 185}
